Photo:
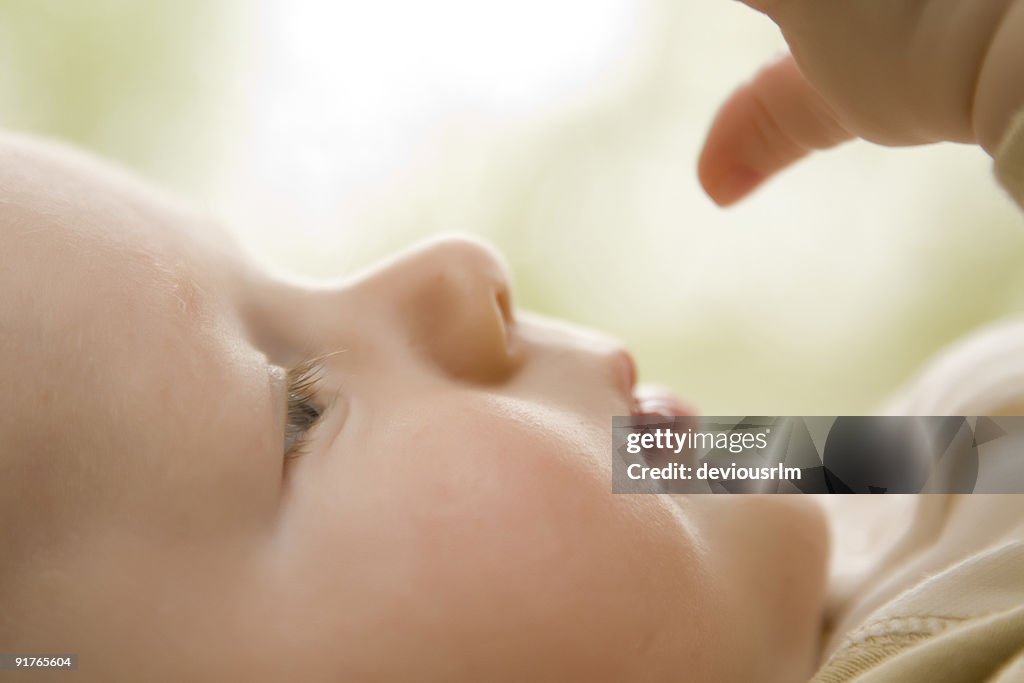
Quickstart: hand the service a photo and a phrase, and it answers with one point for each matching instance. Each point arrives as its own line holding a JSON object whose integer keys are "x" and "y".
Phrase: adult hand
{"x": 895, "y": 72}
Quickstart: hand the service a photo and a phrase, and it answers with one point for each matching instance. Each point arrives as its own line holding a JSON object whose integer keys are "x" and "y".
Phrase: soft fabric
{"x": 947, "y": 601}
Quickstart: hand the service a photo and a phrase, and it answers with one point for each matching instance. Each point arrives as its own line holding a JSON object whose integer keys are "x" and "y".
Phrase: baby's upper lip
{"x": 648, "y": 399}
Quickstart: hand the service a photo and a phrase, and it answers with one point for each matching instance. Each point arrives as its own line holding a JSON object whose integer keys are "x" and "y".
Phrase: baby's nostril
{"x": 504, "y": 305}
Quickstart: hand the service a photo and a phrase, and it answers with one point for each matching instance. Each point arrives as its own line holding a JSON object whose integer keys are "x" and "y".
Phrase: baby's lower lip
{"x": 656, "y": 401}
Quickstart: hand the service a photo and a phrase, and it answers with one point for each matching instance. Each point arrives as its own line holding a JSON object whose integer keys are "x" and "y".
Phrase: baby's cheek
{"x": 483, "y": 497}
{"x": 521, "y": 544}
{"x": 470, "y": 534}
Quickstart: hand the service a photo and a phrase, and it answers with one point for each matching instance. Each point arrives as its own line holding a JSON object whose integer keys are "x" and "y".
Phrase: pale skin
{"x": 451, "y": 518}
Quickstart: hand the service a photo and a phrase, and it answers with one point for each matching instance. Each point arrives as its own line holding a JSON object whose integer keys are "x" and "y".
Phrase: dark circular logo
{"x": 900, "y": 455}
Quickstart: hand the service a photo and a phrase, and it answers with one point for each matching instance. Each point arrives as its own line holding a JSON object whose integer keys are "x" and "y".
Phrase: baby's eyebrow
{"x": 189, "y": 294}
{"x": 186, "y": 295}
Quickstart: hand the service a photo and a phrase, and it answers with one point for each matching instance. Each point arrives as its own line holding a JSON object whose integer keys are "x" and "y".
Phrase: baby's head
{"x": 210, "y": 473}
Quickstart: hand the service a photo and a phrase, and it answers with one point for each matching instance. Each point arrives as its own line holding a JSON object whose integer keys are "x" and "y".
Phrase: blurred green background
{"x": 328, "y": 134}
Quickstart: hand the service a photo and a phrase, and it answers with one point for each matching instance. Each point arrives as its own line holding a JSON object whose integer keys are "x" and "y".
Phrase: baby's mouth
{"x": 651, "y": 400}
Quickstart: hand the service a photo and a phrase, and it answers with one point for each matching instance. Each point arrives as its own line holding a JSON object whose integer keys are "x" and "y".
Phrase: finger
{"x": 766, "y": 125}
{"x": 760, "y": 5}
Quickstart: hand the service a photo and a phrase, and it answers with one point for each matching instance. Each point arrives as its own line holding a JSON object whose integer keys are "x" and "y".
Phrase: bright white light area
{"x": 342, "y": 95}
{"x": 407, "y": 55}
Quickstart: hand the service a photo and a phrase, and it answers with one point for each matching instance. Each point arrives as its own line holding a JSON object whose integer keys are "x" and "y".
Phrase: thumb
{"x": 766, "y": 125}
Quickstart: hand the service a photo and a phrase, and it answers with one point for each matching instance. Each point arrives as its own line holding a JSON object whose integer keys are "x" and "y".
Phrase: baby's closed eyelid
{"x": 303, "y": 409}
{"x": 305, "y": 403}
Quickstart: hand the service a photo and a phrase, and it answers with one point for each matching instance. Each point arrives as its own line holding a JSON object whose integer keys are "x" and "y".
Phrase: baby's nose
{"x": 453, "y": 302}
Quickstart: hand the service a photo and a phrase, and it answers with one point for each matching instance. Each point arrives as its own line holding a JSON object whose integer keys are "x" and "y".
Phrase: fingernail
{"x": 734, "y": 185}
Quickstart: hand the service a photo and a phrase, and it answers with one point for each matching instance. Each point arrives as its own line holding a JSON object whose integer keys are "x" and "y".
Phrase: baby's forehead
{"x": 104, "y": 284}
{"x": 93, "y": 262}
{"x": 52, "y": 192}
{"x": 73, "y": 227}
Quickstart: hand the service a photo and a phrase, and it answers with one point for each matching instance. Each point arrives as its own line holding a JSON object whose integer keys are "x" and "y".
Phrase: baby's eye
{"x": 303, "y": 412}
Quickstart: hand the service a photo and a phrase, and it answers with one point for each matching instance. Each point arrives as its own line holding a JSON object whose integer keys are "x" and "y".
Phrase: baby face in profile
{"x": 212, "y": 473}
